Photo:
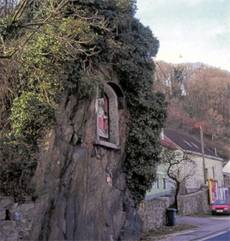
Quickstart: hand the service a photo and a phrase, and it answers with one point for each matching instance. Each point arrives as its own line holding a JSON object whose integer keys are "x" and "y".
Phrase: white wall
{"x": 198, "y": 179}
{"x": 194, "y": 182}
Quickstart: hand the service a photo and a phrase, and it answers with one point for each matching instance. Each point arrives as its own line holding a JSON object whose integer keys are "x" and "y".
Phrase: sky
{"x": 189, "y": 30}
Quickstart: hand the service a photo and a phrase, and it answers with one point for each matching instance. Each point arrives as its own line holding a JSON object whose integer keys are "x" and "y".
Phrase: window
{"x": 108, "y": 103}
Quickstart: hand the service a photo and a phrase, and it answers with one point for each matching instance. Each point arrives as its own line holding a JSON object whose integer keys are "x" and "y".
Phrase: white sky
{"x": 189, "y": 30}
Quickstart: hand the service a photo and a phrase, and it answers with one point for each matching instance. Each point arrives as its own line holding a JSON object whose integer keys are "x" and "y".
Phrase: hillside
{"x": 197, "y": 94}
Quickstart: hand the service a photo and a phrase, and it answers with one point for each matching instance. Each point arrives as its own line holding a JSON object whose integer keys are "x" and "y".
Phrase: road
{"x": 221, "y": 237}
{"x": 207, "y": 229}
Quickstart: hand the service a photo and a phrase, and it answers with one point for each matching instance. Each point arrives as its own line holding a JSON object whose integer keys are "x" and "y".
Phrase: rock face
{"x": 82, "y": 193}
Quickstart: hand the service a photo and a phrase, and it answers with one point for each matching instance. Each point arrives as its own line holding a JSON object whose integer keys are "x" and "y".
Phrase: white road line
{"x": 213, "y": 235}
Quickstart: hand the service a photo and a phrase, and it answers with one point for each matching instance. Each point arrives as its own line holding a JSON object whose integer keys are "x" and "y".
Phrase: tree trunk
{"x": 176, "y": 195}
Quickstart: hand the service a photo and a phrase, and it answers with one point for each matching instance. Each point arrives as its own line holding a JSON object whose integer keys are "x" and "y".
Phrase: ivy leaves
{"x": 147, "y": 109}
{"x": 29, "y": 114}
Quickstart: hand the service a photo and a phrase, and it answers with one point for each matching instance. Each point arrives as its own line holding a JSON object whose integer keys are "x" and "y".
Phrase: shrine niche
{"x": 103, "y": 117}
{"x": 109, "y": 101}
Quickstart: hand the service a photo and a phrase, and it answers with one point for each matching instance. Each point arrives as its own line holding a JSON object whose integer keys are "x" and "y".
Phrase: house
{"x": 210, "y": 168}
{"x": 226, "y": 173}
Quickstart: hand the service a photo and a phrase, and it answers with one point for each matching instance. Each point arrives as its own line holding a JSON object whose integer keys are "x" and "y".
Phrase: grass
{"x": 161, "y": 233}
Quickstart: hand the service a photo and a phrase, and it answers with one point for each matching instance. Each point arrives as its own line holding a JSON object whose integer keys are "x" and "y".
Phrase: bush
{"x": 17, "y": 167}
{"x": 29, "y": 116}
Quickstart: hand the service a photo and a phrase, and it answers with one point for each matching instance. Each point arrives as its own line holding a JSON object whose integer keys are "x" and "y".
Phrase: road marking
{"x": 213, "y": 235}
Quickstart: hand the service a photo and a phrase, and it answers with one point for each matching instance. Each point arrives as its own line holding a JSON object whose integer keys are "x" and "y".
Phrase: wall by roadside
{"x": 193, "y": 203}
{"x": 153, "y": 212}
{"x": 19, "y": 222}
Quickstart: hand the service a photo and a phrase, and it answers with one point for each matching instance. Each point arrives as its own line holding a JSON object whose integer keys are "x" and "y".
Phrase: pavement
{"x": 205, "y": 227}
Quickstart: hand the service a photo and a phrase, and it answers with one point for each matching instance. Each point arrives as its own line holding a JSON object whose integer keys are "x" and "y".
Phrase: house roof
{"x": 187, "y": 142}
{"x": 166, "y": 142}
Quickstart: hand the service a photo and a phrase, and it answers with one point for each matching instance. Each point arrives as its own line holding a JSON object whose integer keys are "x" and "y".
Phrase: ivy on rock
{"x": 64, "y": 43}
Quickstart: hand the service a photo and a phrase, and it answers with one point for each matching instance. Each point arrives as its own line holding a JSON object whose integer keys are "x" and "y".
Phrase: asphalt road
{"x": 221, "y": 237}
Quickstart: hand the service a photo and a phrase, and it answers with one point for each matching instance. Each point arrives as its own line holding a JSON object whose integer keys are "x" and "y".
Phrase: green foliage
{"x": 62, "y": 56}
{"x": 147, "y": 110}
{"x": 124, "y": 5}
{"x": 17, "y": 167}
{"x": 48, "y": 58}
{"x": 29, "y": 115}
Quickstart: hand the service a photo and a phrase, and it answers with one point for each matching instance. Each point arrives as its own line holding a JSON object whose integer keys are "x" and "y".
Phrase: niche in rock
{"x": 109, "y": 101}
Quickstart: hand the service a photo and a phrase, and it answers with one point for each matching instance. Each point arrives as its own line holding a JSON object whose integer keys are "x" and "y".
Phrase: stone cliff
{"x": 81, "y": 186}
{"x": 81, "y": 191}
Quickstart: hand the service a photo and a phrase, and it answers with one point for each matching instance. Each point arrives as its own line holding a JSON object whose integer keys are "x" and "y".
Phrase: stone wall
{"x": 153, "y": 212}
{"x": 193, "y": 203}
{"x": 18, "y": 223}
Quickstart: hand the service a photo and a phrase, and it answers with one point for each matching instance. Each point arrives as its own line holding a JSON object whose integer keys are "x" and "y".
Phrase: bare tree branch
{"x": 179, "y": 168}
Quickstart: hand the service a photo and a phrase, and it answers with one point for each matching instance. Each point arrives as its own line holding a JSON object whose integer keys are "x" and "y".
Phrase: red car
{"x": 220, "y": 206}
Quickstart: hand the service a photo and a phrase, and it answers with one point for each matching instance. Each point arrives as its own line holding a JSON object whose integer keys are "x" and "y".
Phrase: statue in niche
{"x": 103, "y": 117}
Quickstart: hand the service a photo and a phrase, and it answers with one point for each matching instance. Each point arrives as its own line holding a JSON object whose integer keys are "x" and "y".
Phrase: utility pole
{"x": 202, "y": 150}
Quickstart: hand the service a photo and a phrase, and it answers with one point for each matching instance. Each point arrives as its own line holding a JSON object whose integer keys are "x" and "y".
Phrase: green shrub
{"x": 29, "y": 115}
{"x": 17, "y": 167}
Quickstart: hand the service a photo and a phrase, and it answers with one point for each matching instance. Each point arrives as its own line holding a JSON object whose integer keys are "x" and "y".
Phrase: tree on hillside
{"x": 207, "y": 100}
{"x": 177, "y": 117}
{"x": 177, "y": 82}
